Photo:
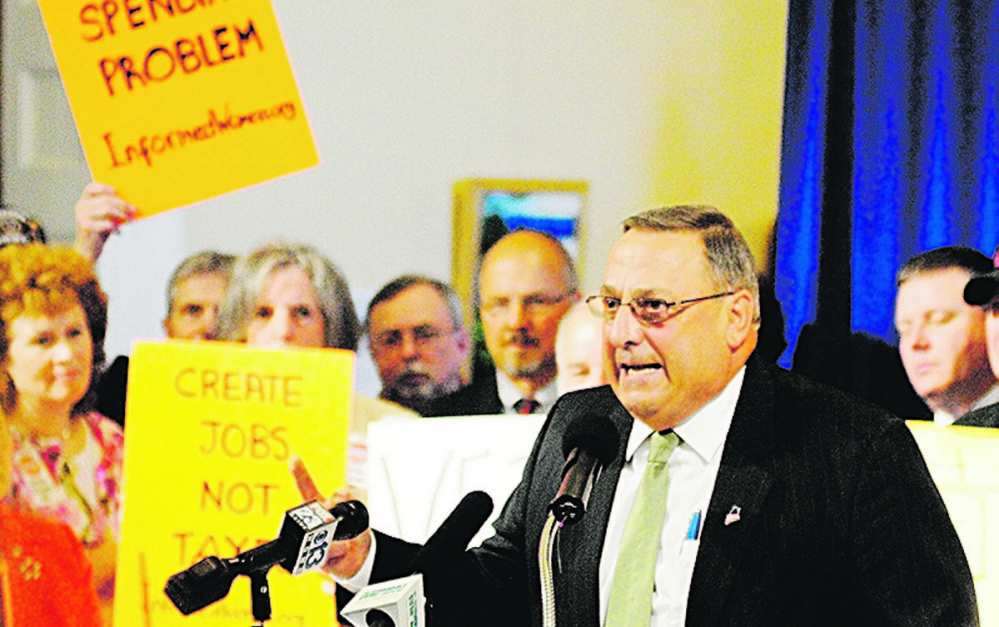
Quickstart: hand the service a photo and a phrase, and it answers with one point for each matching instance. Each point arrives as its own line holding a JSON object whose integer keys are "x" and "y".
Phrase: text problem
{"x": 190, "y": 55}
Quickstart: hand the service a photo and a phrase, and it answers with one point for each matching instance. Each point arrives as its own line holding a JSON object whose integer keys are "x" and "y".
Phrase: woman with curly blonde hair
{"x": 66, "y": 458}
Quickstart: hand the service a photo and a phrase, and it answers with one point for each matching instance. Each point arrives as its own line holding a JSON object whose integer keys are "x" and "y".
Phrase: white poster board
{"x": 964, "y": 462}
{"x": 418, "y": 470}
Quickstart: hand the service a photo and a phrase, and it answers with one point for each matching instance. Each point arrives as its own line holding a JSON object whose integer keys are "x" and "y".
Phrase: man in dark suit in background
{"x": 983, "y": 292}
{"x": 416, "y": 331}
{"x": 525, "y": 285}
{"x": 941, "y": 337}
{"x": 786, "y": 503}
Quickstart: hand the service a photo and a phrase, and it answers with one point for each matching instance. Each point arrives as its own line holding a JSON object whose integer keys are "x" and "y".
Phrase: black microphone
{"x": 401, "y": 601}
{"x": 590, "y": 444}
{"x": 302, "y": 544}
{"x": 378, "y": 618}
{"x": 456, "y": 531}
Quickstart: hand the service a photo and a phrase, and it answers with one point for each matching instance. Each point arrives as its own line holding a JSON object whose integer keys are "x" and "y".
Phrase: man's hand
{"x": 346, "y": 557}
{"x": 99, "y": 212}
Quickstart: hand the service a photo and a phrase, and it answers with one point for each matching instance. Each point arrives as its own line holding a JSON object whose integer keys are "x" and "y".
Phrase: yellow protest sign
{"x": 211, "y": 429}
{"x": 177, "y": 101}
{"x": 965, "y": 466}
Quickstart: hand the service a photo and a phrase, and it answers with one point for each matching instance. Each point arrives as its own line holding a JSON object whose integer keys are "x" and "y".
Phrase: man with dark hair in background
{"x": 416, "y": 331}
{"x": 941, "y": 337}
{"x": 194, "y": 294}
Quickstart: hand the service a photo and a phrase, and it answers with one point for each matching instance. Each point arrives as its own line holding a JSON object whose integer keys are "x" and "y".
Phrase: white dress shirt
{"x": 693, "y": 467}
{"x": 509, "y": 394}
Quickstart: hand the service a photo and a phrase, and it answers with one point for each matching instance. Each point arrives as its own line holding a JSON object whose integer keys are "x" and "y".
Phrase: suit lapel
{"x": 740, "y": 490}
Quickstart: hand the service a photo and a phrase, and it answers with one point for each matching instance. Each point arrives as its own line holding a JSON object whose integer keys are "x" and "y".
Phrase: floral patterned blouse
{"x": 83, "y": 491}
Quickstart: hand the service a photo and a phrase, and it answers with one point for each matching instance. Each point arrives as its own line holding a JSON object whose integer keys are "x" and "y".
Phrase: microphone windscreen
{"x": 595, "y": 433}
{"x": 456, "y": 531}
{"x": 352, "y": 519}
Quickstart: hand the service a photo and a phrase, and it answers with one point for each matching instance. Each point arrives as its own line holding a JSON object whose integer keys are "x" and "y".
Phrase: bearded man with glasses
{"x": 418, "y": 341}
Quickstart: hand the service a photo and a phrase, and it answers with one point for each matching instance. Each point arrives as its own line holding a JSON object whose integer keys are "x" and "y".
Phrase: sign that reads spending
{"x": 177, "y": 101}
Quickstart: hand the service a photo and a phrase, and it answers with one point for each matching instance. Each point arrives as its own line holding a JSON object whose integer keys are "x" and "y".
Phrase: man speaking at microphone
{"x": 740, "y": 495}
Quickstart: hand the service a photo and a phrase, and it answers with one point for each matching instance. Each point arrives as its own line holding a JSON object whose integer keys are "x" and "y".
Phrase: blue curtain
{"x": 889, "y": 149}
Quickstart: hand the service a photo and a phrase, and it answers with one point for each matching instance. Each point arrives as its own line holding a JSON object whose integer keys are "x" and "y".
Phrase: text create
{"x": 239, "y": 386}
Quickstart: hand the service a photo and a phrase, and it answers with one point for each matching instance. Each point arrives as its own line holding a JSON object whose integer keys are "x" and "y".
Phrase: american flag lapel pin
{"x": 733, "y": 515}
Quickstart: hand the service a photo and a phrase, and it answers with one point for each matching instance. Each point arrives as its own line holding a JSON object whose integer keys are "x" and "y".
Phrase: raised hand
{"x": 346, "y": 557}
{"x": 99, "y": 212}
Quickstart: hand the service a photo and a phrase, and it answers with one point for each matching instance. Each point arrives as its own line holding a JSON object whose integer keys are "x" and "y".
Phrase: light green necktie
{"x": 630, "y": 603}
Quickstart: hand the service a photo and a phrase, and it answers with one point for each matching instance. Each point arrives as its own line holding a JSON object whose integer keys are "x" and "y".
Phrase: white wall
{"x": 404, "y": 99}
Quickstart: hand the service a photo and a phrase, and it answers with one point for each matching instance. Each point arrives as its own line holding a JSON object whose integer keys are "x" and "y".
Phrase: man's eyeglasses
{"x": 423, "y": 335}
{"x": 646, "y": 310}
{"x": 532, "y": 304}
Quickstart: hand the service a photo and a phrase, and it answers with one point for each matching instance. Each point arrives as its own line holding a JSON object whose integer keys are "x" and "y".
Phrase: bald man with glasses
{"x": 526, "y": 283}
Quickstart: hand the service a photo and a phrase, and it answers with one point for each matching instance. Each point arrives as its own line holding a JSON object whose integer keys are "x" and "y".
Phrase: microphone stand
{"x": 260, "y": 597}
{"x": 565, "y": 509}
{"x": 546, "y": 563}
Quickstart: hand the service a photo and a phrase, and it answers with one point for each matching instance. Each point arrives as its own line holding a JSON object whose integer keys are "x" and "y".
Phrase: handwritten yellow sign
{"x": 211, "y": 428}
{"x": 177, "y": 101}
{"x": 965, "y": 466}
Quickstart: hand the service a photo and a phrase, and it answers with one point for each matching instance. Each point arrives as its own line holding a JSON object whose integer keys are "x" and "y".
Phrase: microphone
{"x": 303, "y": 544}
{"x": 401, "y": 601}
{"x": 590, "y": 443}
{"x": 456, "y": 531}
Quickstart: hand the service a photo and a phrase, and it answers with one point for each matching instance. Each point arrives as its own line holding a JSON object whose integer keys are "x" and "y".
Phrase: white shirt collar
{"x": 509, "y": 394}
{"x": 991, "y": 397}
{"x": 944, "y": 418}
{"x": 705, "y": 430}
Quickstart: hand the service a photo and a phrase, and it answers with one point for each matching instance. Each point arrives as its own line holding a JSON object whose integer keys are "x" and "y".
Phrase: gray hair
{"x": 342, "y": 327}
{"x": 396, "y": 286}
{"x": 731, "y": 262}
{"x": 198, "y": 264}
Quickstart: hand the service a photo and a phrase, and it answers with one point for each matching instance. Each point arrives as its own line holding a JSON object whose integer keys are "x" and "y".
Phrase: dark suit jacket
{"x": 111, "y": 390}
{"x": 987, "y": 416}
{"x": 479, "y": 398}
{"x": 840, "y": 524}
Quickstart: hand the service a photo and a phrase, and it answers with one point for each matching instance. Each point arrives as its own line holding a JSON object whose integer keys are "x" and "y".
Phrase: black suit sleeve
{"x": 909, "y": 565}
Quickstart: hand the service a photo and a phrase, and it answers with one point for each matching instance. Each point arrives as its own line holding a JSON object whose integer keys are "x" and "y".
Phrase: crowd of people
{"x": 671, "y": 345}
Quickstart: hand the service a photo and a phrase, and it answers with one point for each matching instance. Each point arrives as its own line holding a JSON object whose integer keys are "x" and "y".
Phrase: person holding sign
{"x": 288, "y": 295}
{"x": 99, "y": 213}
{"x": 45, "y": 579}
{"x": 66, "y": 458}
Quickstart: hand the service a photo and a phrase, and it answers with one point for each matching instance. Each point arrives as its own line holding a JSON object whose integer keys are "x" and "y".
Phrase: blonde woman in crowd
{"x": 66, "y": 459}
{"x": 45, "y": 578}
